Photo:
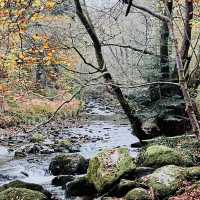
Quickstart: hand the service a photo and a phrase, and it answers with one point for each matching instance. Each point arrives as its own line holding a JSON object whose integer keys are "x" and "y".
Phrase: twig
{"x": 54, "y": 114}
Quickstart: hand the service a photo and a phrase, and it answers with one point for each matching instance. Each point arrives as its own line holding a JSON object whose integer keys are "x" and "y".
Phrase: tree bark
{"x": 103, "y": 69}
{"x": 187, "y": 30}
{"x": 187, "y": 36}
{"x": 180, "y": 69}
{"x": 183, "y": 83}
{"x": 164, "y": 45}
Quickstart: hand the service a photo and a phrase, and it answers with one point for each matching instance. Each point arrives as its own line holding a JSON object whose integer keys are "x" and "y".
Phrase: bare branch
{"x": 132, "y": 48}
{"x": 151, "y": 12}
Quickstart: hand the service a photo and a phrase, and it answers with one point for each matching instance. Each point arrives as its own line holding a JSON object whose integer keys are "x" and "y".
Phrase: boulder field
{"x": 158, "y": 172}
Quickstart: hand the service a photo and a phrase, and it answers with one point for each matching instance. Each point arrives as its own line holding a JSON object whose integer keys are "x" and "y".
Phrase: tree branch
{"x": 132, "y": 48}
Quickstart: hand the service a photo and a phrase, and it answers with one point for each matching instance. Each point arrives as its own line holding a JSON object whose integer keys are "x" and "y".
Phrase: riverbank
{"x": 101, "y": 127}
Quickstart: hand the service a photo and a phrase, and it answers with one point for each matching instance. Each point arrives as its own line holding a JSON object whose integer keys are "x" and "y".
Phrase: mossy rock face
{"x": 30, "y": 186}
{"x": 37, "y": 138}
{"x": 166, "y": 180}
{"x": 108, "y": 167}
{"x": 137, "y": 194}
{"x": 160, "y": 155}
{"x": 21, "y": 194}
{"x": 68, "y": 165}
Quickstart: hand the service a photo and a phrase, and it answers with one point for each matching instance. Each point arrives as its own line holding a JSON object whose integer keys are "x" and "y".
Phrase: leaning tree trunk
{"x": 103, "y": 69}
{"x": 179, "y": 66}
{"x": 183, "y": 83}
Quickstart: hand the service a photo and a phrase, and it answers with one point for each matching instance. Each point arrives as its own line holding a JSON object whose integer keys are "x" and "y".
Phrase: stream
{"x": 106, "y": 130}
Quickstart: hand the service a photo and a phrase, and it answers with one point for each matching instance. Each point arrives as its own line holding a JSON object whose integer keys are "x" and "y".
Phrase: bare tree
{"x": 179, "y": 57}
{"x": 103, "y": 69}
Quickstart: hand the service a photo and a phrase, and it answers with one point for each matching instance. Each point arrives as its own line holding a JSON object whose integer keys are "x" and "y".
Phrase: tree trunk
{"x": 103, "y": 69}
{"x": 164, "y": 44}
{"x": 187, "y": 30}
{"x": 184, "y": 88}
{"x": 187, "y": 36}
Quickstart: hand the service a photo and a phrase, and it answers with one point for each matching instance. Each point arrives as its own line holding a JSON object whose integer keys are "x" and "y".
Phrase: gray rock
{"x": 166, "y": 180}
{"x": 68, "y": 165}
{"x": 106, "y": 168}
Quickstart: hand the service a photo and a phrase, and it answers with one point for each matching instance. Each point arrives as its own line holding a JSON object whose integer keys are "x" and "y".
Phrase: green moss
{"x": 37, "y": 138}
{"x": 160, "y": 155}
{"x": 137, "y": 194}
{"x": 21, "y": 184}
{"x": 187, "y": 146}
{"x": 21, "y": 194}
{"x": 166, "y": 180}
{"x": 64, "y": 143}
{"x": 108, "y": 166}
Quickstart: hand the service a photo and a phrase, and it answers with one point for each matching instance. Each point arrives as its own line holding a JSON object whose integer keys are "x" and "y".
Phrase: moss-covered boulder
{"x": 68, "y": 165}
{"x": 160, "y": 155}
{"x": 166, "y": 180}
{"x": 21, "y": 194}
{"x": 137, "y": 194}
{"x": 108, "y": 167}
{"x": 22, "y": 184}
{"x": 120, "y": 190}
{"x": 37, "y": 138}
{"x": 80, "y": 187}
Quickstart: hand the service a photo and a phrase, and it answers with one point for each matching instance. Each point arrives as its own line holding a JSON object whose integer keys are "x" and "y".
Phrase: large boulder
{"x": 124, "y": 186}
{"x": 166, "y": 180}
{"x": 22, "y": 184}
{"x": 138, "y": 194}
{"x": 62, "y": 180}
{"x": 108, "y": 167}
{"x": 21, "y": 194}
{"x": 160, "y": 155}
{"x": 164, "y": 116}
{"x": 68, "y": 165}
{"x": 80, "y": 187}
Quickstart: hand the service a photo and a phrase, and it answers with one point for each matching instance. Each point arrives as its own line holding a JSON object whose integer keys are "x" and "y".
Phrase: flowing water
{"x": 104, "y": 131}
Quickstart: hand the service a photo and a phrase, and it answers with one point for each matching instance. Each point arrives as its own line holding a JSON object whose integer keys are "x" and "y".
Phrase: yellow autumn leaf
{"x": 50, "y": 4}
{"x": 36, "y": 37}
